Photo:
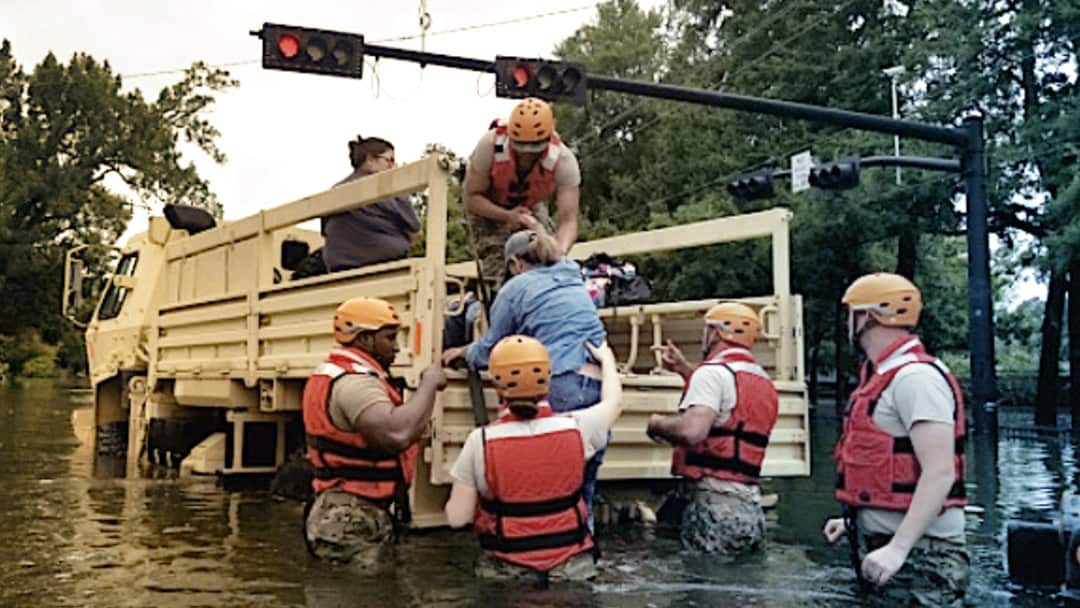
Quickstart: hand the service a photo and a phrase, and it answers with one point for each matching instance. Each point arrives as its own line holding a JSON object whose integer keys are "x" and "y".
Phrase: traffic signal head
{"x": 302, "y": 49}
{"x": 750, "y": 186}
{"x": 561, "y": 81}
{"x": 838, "y": 175}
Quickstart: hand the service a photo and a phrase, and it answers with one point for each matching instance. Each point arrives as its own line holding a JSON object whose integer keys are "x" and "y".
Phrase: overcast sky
{"x": 285, "y": 133}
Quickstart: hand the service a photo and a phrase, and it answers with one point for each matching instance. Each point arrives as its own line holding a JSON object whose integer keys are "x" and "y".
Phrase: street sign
{"x": 800, "y": 171}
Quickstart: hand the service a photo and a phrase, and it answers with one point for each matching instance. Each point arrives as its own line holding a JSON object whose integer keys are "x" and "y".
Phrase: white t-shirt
{"x": 713, "y": 386}
{"x": 567, "y": 172}
{"x": 917, "y": 393}
{"x": 469, "y": 468}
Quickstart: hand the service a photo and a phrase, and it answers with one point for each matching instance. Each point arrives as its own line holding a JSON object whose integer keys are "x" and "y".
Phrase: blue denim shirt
{"x": 549, "y": 303}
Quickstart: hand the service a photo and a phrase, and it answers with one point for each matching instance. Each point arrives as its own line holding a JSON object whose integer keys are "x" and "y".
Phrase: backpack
{"x": 614, "y": 282}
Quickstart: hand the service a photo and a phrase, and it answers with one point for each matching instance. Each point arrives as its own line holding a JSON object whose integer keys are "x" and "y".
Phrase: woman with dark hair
{"x": 379, "y": 232}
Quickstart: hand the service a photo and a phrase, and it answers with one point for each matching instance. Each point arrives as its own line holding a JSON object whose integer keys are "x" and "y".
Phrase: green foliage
{"x": 69, "y": 136}
{"x": 26, "y": 354}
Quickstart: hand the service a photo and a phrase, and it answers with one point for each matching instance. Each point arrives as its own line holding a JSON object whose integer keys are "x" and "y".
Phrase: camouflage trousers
{"x": 344, "y": 528}
{"x": 722, "y": 523}
{"x": 935, "y": 574}
{"x": 580, "y": 567}
{"x": 491, "y": 239}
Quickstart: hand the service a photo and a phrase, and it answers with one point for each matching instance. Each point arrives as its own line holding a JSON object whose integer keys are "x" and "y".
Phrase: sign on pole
{"x": 801, "y": 164}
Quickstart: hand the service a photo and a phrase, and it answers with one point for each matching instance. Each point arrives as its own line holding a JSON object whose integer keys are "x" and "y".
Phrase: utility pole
{"x": 894, "y": 73}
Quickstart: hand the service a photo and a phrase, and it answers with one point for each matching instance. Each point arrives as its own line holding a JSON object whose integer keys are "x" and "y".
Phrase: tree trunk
{"x": 907, "y": 253}
{"x": 1074, "y": 342}
{"x": 1046, "y": 399}
{"x": 840, "y": 339}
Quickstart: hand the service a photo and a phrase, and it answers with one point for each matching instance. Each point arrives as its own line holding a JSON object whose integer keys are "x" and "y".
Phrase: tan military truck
{"x": 200, "y": 345}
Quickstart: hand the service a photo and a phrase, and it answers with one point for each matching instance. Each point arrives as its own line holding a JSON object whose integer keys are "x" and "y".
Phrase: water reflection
{"x": 76, "y": 535}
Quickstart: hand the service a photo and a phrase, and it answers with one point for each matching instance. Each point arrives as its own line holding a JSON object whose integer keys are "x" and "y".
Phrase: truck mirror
{"x": 293, "y": 252}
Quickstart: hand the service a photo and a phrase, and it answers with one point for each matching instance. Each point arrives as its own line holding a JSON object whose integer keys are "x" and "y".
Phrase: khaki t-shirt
{"x": 351, "y": 395}
{"x": 567, "y": 172}
{"x": 917, "y": 393}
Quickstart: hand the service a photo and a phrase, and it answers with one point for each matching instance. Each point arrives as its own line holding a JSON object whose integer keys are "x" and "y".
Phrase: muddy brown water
{"x": 72, "y": 533}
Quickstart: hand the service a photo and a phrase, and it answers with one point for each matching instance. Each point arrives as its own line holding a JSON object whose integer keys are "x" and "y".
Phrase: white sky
{"x": 285, "y": 133}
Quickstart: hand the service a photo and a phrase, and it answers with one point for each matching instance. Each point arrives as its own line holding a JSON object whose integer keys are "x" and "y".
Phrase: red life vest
{"x": 344, "y": 458}
{"x": 506, "y": 189}
{"x": 734, "y": 450}
{"x": 533, "y": 514}
{"x": 875, "y": 469}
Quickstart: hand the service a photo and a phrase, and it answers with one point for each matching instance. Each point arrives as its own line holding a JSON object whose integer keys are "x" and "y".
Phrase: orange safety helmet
{"x": 363, "y": 314}
{"x": 734, "y": 322}
{"x": 890, "y": 299}
{"x": 531, "y": 121}
{"x": 521, "y": 368}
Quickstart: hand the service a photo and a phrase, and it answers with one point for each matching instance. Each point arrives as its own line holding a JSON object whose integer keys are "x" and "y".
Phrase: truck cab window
{"x": 113, "y": 301}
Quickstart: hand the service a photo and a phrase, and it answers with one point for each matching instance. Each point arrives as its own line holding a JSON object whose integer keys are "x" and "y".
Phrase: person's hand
{"x": 434, "y": 373}
{"x": 602, "y": 353}
{"x": 881, "y": 564}
{"x": 651, "y": 429}
{"x": 522, "y": 218}
{"x": 452, "y": 354}
{"x": 672, "y": 359}
{"x": 834, "y": 530}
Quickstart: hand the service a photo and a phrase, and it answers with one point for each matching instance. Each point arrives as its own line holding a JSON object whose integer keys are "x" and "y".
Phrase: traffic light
{"x": 754, "y": 185}
{"x": 518, "y": 78}
{"x": 838, "y": 175}
{"x": 302, "y": 49}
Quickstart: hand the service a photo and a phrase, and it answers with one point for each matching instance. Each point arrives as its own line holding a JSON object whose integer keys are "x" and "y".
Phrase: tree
{"x": 69, "y": 136}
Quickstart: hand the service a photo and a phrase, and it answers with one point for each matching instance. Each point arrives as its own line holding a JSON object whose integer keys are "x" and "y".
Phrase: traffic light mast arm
{"x": 918, "y": 162}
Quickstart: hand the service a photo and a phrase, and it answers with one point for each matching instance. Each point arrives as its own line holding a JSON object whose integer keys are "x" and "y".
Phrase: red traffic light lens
{"x": 521, "y": 76}
{"x": 288, "y": 45}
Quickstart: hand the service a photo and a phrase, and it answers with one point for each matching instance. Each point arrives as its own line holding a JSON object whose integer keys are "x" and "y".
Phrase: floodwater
{"x": 71, "y": 535}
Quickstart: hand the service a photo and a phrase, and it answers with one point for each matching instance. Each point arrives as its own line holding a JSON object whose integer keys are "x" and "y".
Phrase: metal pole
{"x": 980, "y": 310}
{"x": 896, "y": 138}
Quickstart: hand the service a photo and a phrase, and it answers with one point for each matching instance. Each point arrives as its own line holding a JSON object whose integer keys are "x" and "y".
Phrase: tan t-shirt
{"x": 567, "y": 172}
{"x": 351, "y": 395}
{"x": 917, "y": 393}
{"x": 713, "y": 386}
{"x": 469, "y": 467}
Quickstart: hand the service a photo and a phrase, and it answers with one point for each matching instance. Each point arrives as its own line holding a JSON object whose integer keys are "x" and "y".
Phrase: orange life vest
{"x": 734, "y": 450}
{"x": 875, "y": 469}
{"x": 533, "y": 514}
{"x": 506, "y": 189}
{"x": 344, "y": 458}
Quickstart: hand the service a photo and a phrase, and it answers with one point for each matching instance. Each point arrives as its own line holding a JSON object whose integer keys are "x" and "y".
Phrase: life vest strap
{"x": 329, "y": 446}
{"x": 530, "y": 509}
{"x": 710, "y": 461}
{"x": 754, "y": 439}
{"x": 492, "y": 542}
{"x": 360, "y": 473}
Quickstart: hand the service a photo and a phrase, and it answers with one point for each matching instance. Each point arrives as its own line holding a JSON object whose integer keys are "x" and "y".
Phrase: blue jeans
{"x": 572, "y": 391}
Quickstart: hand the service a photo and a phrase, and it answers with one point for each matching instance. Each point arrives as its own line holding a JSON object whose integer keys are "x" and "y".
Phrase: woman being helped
{"x": 546, "y": 298}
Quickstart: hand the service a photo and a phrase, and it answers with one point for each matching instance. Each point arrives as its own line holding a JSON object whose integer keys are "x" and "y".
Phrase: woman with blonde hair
{"x": 545, "y": 298}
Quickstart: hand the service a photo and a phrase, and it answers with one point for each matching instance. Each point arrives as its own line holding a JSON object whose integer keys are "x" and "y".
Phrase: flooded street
{"x": 73, "y": 536}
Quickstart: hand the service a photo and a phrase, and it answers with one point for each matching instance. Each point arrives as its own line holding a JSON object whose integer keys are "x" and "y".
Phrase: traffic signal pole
{"x": 968, "y": 139}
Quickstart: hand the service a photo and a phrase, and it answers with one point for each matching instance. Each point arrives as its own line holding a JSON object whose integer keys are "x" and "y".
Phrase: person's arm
{"x": 688, "y": 428}
{"x": 477, "y": 203}
{"x": 567, "y": 199}
{"x": 611, "y": 401}
{"x": 710, "y": 395}
{"x": 396, "y": 428}
{"x": 933, "y": 443}
{"x": 410, "y": 224}
{"x": 503, "y": 323}
{"x": 461, "y": 508}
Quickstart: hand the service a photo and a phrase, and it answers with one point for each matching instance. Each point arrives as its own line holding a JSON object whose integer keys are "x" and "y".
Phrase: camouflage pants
{"x": 491, "y": 238}
{"x": 721, "y": 523}
{"x": 344, "y": 528}
{"x": 580, "y": 567}
{"x": 935, "y": 574}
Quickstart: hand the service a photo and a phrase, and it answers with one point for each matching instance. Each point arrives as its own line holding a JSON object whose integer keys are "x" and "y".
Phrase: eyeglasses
{"x": 389, "y": 159}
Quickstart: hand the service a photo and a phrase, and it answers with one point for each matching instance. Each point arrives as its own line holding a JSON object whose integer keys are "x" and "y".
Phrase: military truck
{"x": 200, "y": 344}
